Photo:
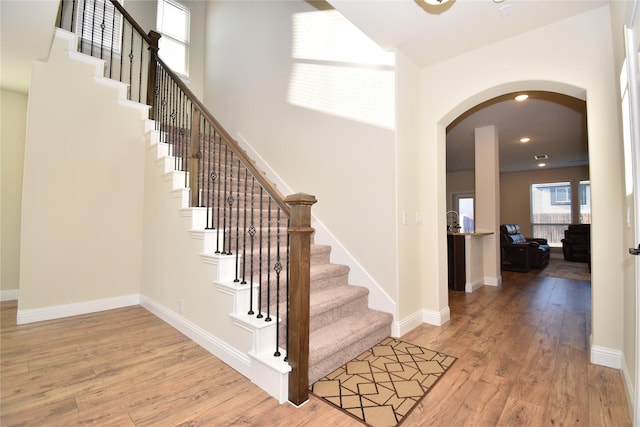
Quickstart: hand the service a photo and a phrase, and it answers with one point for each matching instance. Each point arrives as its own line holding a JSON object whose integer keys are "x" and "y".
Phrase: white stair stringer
{"x": 265, "y": 369}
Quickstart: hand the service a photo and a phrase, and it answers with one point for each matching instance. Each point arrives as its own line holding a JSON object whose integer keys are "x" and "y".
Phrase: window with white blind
{"x": 100, "y": 24}
{"x": 173, "y": 23}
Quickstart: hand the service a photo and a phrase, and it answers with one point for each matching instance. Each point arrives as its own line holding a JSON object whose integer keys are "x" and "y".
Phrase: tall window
{"x": 173, "y": 23}
{"x": 551, "y": 211}
{"x": 585, "y": 202}
{"x": 99, "y": 25}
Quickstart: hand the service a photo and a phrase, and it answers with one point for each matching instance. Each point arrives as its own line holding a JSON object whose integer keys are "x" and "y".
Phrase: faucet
{"x": 454, "y": 226}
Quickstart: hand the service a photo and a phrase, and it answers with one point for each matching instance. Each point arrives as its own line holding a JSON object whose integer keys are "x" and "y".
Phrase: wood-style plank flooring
{"x": 521, "y": 349}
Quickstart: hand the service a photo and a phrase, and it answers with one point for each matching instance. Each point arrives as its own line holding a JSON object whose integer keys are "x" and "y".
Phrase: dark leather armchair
{"x": 519, "y": 253}
{"x": 576, "y": 245}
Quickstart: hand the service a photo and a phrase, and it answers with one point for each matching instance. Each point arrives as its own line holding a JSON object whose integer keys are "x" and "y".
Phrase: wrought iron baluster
{"x": 140, "y": 69}
{"x": 237, "y": 201}
{"x": 225, "y": 200}
{"x": 244, "y": 227}
{"x": 230, "y": 202}
{"x": 113, "y": 31}
{"x": 130, "y": 64}
{"x": 252, "y": 233}
{"x": 259, "y": 275}
{"x": 277, "y": 268}
{"x": 218, "y": 199}
{"x": 122, "y": 49}
{"x": 102, "y": 27}
{"x": 268, "y": 318}
{"x": 93, "y": 25}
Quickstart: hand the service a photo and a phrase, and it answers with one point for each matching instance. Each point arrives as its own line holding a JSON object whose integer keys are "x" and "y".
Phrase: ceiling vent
{"x": 541, "y": 157}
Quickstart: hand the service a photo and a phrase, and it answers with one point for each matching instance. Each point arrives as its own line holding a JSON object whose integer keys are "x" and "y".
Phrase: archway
{"x": 555, "y": 151}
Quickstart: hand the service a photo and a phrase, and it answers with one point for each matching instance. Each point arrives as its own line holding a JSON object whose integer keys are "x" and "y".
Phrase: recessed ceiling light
{"x": 541, "y": 165}
{"x": 525, "y": 140}
{"x": 498, "y": 1}
{"x": 522, "y": 97}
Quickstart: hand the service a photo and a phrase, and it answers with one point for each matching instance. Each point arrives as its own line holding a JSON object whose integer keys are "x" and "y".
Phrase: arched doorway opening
{"x": 541, "y": 141}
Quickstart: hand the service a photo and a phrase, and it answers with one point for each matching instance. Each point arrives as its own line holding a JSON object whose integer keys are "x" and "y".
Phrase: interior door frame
{"x": 631, "y": 36}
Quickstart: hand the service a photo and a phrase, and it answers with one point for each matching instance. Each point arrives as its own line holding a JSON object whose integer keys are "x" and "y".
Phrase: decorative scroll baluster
{"x": 277, "y": 268}
{"x": 244, "y": 227}
{"x": 218, "y": 201}
{"x": 230, "y": 201}
{"x": 102, "y": 27}
{"x": 252, "y": 233}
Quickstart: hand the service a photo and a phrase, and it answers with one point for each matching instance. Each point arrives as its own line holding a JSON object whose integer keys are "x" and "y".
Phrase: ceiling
{"x": 430, "y": 34}
{"x": 556, "y": 125}
{"x": 424, "y": 33}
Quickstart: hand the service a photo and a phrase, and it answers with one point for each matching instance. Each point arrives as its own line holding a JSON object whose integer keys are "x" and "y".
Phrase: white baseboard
{"x": 407, "y": 324}
{"x": 9, "y": 295}
{"x": 431, "y": 317}
{"x": 68, "y": 310}
{"x": 437, "y": 318}
{"x": 493, "y": 281}
{"x": 231, "y": 356}
{"x": 629, "y": 389}
{"x": 608, "y": 357}
{"x": 473, "y": 286}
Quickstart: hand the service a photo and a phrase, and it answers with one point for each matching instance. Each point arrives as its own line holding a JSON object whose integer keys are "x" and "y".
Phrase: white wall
{"x": 82, "y": 196}
{"x": 408, "y": 138}
{"x": 348, "y": 165}
{"x": 13, "y": 119}
{"x": 573, "y": 56}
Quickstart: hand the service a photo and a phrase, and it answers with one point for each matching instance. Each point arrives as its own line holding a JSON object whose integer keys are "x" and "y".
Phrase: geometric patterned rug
{"x": 382, "y": 385}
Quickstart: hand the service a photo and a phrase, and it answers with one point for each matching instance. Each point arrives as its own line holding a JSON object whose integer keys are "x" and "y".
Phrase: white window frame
{"x": 182, "y": 40}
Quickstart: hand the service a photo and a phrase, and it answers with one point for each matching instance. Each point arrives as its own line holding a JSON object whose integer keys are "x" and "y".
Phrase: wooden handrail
{"x": 131, "y": 21}
{"x": 231, "y": 143}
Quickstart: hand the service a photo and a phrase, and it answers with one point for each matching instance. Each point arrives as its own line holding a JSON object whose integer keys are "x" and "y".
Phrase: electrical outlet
{"x": 181, "y": 306}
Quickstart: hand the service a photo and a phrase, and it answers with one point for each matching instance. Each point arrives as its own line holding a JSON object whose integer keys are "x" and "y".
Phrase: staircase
{"x": 183, "y": 226}
{"x": 341, "y": 324}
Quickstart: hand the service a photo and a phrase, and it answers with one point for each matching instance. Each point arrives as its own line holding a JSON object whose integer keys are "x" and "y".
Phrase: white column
{"x": 487, "y": 209}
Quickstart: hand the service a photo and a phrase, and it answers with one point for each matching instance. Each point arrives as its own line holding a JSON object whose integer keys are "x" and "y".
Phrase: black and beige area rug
{"x": 558, "y": 267}
{"x": 382, "y": 385}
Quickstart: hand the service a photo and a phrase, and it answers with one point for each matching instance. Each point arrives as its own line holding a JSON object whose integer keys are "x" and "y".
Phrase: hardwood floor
{"x": 522, "y": 361}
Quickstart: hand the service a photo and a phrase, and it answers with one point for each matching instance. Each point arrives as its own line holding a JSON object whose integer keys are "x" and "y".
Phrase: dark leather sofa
{"x": 519, "y": 253}
{"x": 576, "y": 245}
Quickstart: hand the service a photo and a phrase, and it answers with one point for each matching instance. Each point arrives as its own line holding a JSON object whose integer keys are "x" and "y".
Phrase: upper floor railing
{"x": 269, "y": 235}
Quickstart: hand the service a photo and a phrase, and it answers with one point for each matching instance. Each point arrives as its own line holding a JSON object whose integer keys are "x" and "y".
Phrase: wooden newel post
{"x": 154, "y": 37}
{"x": 300, "y": 232}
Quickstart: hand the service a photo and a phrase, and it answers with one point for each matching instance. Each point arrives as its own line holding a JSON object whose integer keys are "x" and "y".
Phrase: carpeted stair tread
{"x": 328, "y": 275}
{"x": 328, "y": 305}
{"x": 338, "y": 342}
{"x": 328, "y": 299}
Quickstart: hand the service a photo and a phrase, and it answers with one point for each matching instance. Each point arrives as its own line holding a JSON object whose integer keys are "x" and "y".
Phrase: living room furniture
{"x": 576, "y": 245}
{"x": 519, "y": 253}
